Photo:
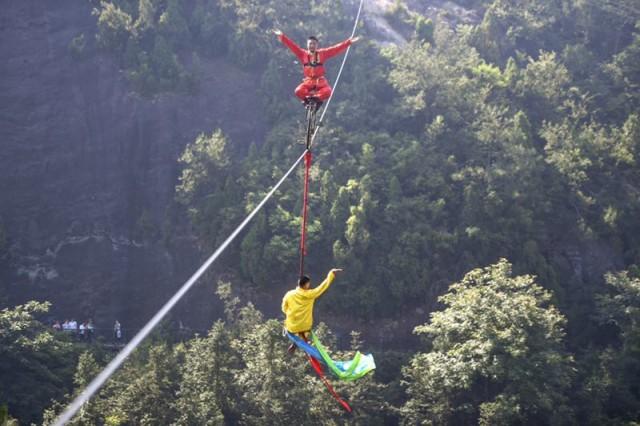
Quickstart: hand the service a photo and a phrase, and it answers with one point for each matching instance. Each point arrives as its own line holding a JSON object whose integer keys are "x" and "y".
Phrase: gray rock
{"x": 82, "y": 157}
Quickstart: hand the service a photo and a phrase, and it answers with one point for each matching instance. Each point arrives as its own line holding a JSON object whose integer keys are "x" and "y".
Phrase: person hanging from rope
{"x": 314, "y": 86}
{"x": 297, "y": 305}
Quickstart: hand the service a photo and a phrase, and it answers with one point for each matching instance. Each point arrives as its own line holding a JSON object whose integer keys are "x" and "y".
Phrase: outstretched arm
{"x": 331, "y": 51}
{"x": 317, "y": 292}
{"x": 297, "y": 50}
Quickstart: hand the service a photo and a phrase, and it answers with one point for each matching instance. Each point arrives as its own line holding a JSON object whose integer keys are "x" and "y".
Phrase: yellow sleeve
{"x": 284, "y": 303}
{"x": 317, "y": 292}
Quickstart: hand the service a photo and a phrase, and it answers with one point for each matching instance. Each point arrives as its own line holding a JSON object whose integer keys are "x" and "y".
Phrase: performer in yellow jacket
{"x": 297, "y": 305}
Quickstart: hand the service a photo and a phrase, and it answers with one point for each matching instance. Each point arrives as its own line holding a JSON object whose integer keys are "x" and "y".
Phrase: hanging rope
{"x": 318, "y": 369}
{"x": 305, "y": 204}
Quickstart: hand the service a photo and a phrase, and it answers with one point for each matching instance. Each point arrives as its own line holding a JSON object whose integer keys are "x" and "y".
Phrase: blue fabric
{"x": 305, "y": 347}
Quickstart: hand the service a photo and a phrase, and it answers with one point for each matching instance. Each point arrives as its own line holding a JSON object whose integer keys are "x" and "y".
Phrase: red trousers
{"x": 314, "y": 87}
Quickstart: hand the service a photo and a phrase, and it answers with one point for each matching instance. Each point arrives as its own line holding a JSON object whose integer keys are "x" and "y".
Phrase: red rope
{"x": 303, "y": 251}
{"x": 305, "y": 201}
{"x": 316, "y": 366}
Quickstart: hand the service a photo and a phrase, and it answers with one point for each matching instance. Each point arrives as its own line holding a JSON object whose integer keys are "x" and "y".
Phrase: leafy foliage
{"x": 610, "y": 386}
{"x": 496, "y": 354}
{"x": 33, "y": 359}
{"x": 239, "y": 373}
{"x": 447, "y": 156}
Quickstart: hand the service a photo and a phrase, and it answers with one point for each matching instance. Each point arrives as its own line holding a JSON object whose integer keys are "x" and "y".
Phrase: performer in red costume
{"x": 314, "y": 84}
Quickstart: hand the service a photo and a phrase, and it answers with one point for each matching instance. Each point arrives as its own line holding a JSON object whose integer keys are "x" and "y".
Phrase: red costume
{"x": 314, "y": 83}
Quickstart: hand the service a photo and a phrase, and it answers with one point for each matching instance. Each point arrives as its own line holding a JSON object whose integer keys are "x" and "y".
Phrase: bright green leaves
{"x": 145, "y": 37}
{"x": 36, "y": 364}
{"x": 622, "y": 309}
{"x": 497, "y": 354}
{"x": 598, "y": 164}
{"x": 611, "y": 370}
{"x": 206, "y": 162}
{"x": 204, "y": 394}
{"x": 624, "y": 71}
{"x": 434, "y": 78}
{"x": 114, "y": 26}
{"x": 207, "y": 188}
{"x": 238, "y": 373}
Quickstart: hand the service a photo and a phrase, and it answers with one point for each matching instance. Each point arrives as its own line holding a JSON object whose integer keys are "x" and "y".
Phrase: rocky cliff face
{"x": 385, "y": 32}
{"x": 85, "y": 164}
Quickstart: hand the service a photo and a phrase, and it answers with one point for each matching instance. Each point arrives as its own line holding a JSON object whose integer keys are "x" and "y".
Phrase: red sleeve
{"x": 297, "y": 50}
{"x": 329, "y": 52}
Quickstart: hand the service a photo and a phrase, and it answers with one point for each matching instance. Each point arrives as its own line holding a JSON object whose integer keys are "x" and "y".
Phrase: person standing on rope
{"x": 297, "y": 305}
{"x": 314, "y": 85}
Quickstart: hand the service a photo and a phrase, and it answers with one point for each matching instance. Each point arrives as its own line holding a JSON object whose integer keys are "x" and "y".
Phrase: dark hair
{"x": 313, "y": 38}
{"x": 303, "y": 280}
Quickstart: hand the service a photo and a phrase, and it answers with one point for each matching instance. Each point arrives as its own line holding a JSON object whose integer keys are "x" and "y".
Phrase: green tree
{"x": 114, "y": 27}
{"x": 206, "y": 387}
{"x": 496, "y": 355}
{"x": 624, "y": 71}
{"x": 36, "y": 366}
{"x": 205, "y": 161}
{"x": 210, "y": 26}
{"x": 598, "y": 164}
{"x": 543, "y": 84}
{"x": 93, "y": 411}
{"x": 424, "y": 29}
{"x": 166, "y": 67}
{"x": 613, "y": 395}
{"x": 147, "y": 15}
{"x": 508, "y": 25}
{"x": 147, "y": 392}
{"x": 172, "y": 23}
{"x": 399, "y": 16}
{"x": 206, "y": 188}
{"x": 5, "y": 419}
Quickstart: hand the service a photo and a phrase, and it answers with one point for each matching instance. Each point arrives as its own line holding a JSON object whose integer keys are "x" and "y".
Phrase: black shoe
{"x": 292, "y": 349}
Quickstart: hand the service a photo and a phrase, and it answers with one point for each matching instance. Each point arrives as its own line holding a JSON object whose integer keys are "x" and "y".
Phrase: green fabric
{"x": 346, "y": 370}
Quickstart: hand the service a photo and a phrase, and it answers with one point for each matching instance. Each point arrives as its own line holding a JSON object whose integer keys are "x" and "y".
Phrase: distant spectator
{"x": 117, "y": 331}
{"x": 81, "y": 331}
{"x": 57, "y": 326}
{"x": 73, "y": 325}
{"x": 65, "y": 325}
{"x": 90, "y": 330}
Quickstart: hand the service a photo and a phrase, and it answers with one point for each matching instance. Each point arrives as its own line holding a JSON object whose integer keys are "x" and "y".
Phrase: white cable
{"x": 344, "y": 60}
{"x": 115, "y": 363}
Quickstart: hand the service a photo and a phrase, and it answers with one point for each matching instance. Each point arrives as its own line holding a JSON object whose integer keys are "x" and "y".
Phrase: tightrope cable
{"x": 97, "y": 383}
{"x": 344, "y": 60}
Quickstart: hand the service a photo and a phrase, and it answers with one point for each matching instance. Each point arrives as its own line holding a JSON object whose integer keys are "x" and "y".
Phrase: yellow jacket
{"x": 297, "y": 305}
